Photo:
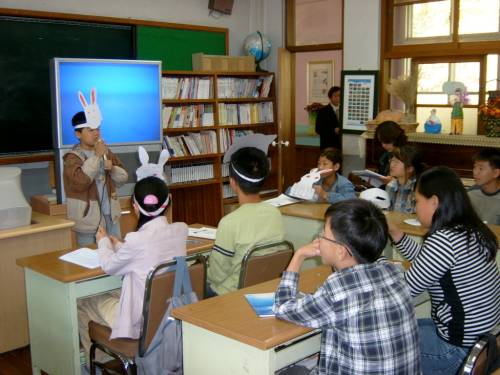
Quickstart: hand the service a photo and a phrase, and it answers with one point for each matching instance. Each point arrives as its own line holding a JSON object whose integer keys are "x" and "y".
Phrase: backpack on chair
{"x": 164, "y": 355}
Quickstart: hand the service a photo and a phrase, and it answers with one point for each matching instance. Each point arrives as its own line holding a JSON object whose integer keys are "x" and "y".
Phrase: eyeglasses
{"x": 321, "y": 236}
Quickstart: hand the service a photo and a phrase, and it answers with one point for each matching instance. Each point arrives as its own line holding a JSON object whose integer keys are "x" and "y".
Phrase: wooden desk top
{"x": 40, "y": 223}
{"x": 316, "y": 211}
{"x": 230, "y": 315}
{"x": 50, "y": 265}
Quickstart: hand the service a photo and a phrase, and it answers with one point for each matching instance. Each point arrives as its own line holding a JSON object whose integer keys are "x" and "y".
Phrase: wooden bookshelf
{"x": 202, "y": 201}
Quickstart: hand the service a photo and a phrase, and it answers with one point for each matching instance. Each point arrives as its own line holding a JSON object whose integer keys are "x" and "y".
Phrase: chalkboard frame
{"x": 37, "y": 156}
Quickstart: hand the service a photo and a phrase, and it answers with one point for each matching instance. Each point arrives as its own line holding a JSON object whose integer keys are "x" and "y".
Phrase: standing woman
{"x": 456, "y": 266}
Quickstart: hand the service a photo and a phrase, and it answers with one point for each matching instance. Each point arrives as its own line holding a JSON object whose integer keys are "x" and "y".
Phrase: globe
{"x": 258, "y": 46}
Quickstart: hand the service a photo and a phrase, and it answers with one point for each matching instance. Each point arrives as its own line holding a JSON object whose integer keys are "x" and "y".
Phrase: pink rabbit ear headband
{"x": 246, "y": 178}
{"x": 151, "y": 199}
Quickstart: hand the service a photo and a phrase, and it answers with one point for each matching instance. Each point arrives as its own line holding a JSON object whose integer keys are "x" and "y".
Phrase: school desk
{"x": 303, "y": 220}
{"x": 52, "y": 289}
{"x": 44, "y": 234}
{"x": 224, "y": 336}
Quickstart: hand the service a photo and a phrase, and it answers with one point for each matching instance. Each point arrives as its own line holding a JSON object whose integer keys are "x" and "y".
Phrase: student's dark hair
{"x": 332, "y": 154}
{"x": 410, "y": 157}
{"x": 454, "y": 210}
{"x": 361, "y": 226}
{"x": 390, "y": 132}
{"x": 78, "y": 119}
{"x": 491, "y": 155}
{"x": 150, "y": 186}
{"x": 252, "y": 163}
{"x": 333, "y": 90}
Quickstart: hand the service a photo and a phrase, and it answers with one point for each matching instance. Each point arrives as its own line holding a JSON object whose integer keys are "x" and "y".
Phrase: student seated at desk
{"x": 406, "y": 166}
{"x": 253, "y": 223}
{"x": 456, "y": 266}
{"x": 364, "y": 308}
{"x": 485, "y": 195}
{"x": 155, "y": 241}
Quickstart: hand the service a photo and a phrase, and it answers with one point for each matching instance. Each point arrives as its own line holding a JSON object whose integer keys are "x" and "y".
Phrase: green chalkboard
{"x": 174, "y": 47}
{"x": 26, "y": 47}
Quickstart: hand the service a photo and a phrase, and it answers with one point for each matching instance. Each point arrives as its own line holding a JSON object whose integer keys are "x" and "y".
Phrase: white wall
{"x": 361, "y": 49}
{"x": 244, "y": 19}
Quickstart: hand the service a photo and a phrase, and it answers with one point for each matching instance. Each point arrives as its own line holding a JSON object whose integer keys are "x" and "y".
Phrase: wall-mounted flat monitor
{"x": 127, "y": 93}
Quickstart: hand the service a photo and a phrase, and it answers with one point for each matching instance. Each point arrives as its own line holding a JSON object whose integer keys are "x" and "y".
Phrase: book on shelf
{"x": 245, "y": 113}
{"x": 190, "y": 116}
{"x": 230, "y": 87}
{"x": 186, "y": 87}
{"x": 261, "y": 303}
{"x": 191, "y": 172}
{"x": 191, "y": 144}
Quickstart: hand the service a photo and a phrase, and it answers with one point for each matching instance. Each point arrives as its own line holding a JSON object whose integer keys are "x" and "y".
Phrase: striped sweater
{"x": 463, "y": 285}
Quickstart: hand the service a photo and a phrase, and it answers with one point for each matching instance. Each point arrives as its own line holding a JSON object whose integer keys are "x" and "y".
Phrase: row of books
{"x": 189, "y": 172}
{"x": 227, "y": 192}
{"x": 189, "y": 116}
{"x": 190, "y": 144}
{"x": 186, "y": 87}
{"x": 227, "y": 137}
{"x": 244, "y": 87}
{"x": 249, "y": 113}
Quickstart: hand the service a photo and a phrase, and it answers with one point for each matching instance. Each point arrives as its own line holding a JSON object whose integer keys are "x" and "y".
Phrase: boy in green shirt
{"x": 253, "y": 223}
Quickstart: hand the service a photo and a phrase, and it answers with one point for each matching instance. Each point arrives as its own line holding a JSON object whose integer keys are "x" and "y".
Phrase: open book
{"x": 371, "y": 177}
{"x": 282, "y": 200}
{"x": 262, "y": 303}
{"x": 203, "y": 232}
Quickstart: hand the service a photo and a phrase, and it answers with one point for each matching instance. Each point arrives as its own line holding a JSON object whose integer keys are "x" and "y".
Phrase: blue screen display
{"x": 128, "y": 95}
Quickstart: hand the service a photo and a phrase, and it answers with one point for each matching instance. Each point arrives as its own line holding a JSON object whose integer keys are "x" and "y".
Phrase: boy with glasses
{"x": 364, "y": 308}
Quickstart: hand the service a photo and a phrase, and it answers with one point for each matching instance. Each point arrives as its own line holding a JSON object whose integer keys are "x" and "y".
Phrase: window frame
{"x": 454, "y": 51}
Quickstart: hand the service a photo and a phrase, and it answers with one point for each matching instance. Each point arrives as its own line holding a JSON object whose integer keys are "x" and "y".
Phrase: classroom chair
{"x": 476, "y": 361}
{"x": 159, "y": 288}
{"x": 257, "y": 268}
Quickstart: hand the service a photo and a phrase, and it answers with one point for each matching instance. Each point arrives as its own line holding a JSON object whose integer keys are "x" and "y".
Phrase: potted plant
{"x": 490, "y": 115}
{"x": 312, "y": 110}
{"x": 405, "y": 89}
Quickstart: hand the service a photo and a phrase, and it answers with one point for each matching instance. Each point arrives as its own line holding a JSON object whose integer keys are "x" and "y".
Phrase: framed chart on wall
{"x": 319, "y": 81}
{"x": 358, "y": 99}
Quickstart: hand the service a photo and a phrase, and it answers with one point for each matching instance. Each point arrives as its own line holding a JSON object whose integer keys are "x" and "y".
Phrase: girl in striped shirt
{"x": 456, "y": 266}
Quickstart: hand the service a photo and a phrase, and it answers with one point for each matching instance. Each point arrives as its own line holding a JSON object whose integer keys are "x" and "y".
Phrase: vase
{"x": 311, "y": 129}
{"x": 492, "y": 127}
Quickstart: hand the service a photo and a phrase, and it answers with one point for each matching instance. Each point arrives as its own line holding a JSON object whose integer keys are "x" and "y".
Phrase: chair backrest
{"x": 265, "y": 262}
{"x": 160, "y": 288}
{"x": 475, "y": 363}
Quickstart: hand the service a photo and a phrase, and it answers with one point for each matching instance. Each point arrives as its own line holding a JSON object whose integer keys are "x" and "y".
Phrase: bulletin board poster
{"x": 359, "y": 99}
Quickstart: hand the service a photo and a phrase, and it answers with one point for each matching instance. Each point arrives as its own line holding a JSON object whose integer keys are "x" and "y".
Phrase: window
{"x": 433, "y": 21}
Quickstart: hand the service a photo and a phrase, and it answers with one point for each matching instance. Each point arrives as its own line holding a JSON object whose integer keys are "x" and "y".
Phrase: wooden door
{"x": 286, "y": 117}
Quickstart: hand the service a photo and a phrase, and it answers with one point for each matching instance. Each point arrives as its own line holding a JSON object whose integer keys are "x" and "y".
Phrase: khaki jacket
{"x": 82, "y": 198}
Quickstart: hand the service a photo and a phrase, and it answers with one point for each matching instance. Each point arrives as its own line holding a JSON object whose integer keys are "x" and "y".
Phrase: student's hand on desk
{"x": 394, "y": 231}
{"x": 100, "y": 234}
{"x": 307, "y": 251}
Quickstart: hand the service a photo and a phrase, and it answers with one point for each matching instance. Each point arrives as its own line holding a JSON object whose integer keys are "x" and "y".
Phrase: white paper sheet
{"x": 84, "y": 257}
{"x": 203, "y": 232}
{"x": 282, "y": 200}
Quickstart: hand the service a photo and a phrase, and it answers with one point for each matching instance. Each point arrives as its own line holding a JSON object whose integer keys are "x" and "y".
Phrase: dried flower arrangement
{"x": 405, "y": 89}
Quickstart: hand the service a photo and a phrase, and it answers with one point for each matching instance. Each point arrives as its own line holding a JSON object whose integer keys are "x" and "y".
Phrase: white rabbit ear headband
{"x": 259, "y": 141}
{"x": 92, "y": 112}
{"x": 85, "y": 124}
{"x": 148, "y": 169}
{"x": 151, "y": 199}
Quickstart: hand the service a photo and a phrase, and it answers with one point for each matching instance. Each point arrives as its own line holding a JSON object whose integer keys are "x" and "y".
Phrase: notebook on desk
{"x": 262, "y": 303}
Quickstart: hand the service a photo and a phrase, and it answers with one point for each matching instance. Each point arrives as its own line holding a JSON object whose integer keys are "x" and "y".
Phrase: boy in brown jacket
{"x": 91, "y": 175}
